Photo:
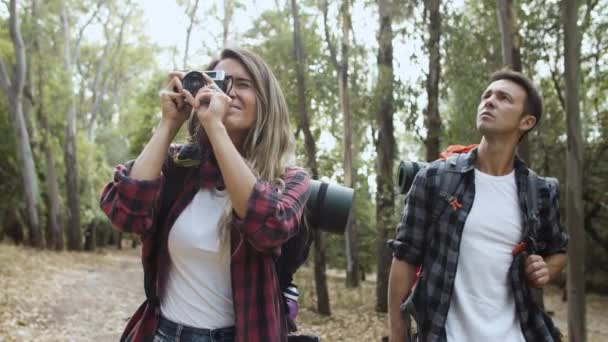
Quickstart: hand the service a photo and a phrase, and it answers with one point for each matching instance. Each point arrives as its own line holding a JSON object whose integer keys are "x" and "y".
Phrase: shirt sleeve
{"x": 409, "y": 243}
{"x": 553, "y": 237}
{"x": 273, "y": 215}
{"x": 131, "y": 204}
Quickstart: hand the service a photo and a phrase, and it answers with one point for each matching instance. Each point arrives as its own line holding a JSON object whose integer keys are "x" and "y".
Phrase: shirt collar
{"x": 465, "y": 162}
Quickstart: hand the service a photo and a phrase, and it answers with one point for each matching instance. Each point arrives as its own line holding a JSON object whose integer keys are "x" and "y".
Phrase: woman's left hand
{"x": 210, "y": 103}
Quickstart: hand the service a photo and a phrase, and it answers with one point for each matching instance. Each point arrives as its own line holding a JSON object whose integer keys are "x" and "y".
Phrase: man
{"x": 482, "y": 253}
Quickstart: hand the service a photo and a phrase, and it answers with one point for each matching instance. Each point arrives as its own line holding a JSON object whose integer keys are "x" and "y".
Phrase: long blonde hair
{"x": 269, "y": 146}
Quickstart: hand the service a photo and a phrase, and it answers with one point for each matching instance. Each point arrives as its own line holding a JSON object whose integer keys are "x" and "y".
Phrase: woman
{"x": 214, "y": 213}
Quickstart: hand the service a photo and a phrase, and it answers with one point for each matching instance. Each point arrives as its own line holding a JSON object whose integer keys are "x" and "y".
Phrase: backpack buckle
{"x": 453, "y": 201}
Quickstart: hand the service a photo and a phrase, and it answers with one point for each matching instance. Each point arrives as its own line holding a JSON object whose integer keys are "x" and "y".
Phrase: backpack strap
{"x": 174, "y": 178}
{"x": 448, "y": 183}
{"x": 532, "y": 207}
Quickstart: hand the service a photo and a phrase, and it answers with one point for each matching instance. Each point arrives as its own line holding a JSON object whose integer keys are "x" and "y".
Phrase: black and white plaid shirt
{"x": 434, "y": 242}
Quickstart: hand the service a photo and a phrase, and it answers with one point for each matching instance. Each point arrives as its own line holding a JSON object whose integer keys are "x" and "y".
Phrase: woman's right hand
{"x": 173, "y": 105}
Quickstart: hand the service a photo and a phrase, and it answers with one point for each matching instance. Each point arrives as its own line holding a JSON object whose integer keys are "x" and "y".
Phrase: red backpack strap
{"x": 456, "y": 149}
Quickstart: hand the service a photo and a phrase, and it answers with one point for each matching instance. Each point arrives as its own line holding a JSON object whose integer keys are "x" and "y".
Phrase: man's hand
{"x": 537, "y": 271}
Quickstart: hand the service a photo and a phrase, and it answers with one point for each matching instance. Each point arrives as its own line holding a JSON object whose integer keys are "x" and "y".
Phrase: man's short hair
{"x": 534, "y": 102}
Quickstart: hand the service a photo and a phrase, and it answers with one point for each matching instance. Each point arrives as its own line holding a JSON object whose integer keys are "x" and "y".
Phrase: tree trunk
{"x": 28, "y": 171}
{"x": 13, "y": 89}
{"x": 70, "y": 158}
{"x": 54, "y": 222}
{"x": 574, "y": 179}
{"x": 71, "y": 181}
{"x": 385, "y": 146}
{"x": 511, "y": 56}
{"x": 54, "y": 207}
{"x": 118, "y": 240}
{"x": 323, "y": 305}
{"x": 433, "y": 120}
{"x": 350, "y": 237}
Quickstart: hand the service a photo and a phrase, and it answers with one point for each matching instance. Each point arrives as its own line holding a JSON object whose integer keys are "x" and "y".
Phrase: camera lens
{"x": 193, "y": 81}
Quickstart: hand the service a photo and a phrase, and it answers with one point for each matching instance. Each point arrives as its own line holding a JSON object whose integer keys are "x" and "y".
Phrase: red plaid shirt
{"x": 272, "y": 218}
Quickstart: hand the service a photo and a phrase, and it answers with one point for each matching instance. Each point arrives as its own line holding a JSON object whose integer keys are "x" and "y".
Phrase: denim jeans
{"x": 169, "y": 331}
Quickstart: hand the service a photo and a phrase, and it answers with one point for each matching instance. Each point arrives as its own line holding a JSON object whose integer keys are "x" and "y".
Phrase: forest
{"x": 368, "y": 84}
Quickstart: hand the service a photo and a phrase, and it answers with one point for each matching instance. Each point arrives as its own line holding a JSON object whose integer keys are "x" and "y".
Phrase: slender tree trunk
{"x": 342, "y": 69}
{"x": 323, "y": 305}
{"x": 506, "y": 11}
{"x": 192, "y": 17}
{"x": 574, "y": 175}
{"x": 385, "y": 150}
{"x": 70, "y": 148}
{"x": 433, "y": 120}
{"x": 227, "y": 20}
{"x": 13, "y": 88}
{"x": 28, "y": 170}
{"x": 54, "y": 224}
{"x": 352, "y": 264}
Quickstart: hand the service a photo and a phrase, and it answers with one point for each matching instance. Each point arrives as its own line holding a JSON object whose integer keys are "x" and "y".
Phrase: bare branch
{"x": 192, "y": 17}
{"x": 587, "y": 17}
{"x": 76, "y": 53}
{"x": 330, "y": 45}
{"x": 98, "y": 94}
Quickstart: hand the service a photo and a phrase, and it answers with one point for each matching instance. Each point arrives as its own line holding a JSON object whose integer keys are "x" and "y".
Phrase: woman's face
{"x": 241, "y": 115}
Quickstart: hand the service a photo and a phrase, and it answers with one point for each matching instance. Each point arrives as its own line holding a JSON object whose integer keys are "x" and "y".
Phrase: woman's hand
{"x": 173, "y": 105}
{"x": 210, "y": 103}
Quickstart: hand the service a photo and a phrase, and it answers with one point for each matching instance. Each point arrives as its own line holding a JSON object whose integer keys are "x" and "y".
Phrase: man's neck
{"x": 495, "y": 157}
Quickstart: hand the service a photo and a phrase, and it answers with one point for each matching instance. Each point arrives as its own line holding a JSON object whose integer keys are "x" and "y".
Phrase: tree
{"x": 323, "y": 305}
{"x": 70, "y": 60}
{"x": 13, "y": 88}
{"x": 342, "y": 68}
{"x": 574, "y": 168}
{"x": 229, "y": 7}
{"x": 54, "y": 220}
{"x": 511, "y": 57}
{"x": 191, "y": 9}
{"x": 433, "y": 120}
{"x": 385, "y": 149}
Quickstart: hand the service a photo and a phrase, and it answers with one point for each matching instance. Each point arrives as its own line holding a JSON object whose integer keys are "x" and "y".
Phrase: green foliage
{"x": 142, "y": 115}
{"x": 471, "y": 53}
{"x": 9, "y": 170}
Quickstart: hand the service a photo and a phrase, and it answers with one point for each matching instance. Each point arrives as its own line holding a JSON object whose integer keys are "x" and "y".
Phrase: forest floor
{"x": 48, "y": 296}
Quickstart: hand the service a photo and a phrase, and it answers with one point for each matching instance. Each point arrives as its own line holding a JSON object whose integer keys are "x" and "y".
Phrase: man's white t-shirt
{"x": 199, "y": 288}
{"x": 482, "y": 306}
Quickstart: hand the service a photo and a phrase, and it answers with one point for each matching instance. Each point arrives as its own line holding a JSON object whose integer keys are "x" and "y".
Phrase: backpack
{"x": 449, "y": 182}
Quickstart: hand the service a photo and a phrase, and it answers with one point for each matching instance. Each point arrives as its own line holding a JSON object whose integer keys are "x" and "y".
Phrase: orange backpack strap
{"x": 456, "y": 149}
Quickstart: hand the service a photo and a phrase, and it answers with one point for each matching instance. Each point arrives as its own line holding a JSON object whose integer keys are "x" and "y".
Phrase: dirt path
{"x": 48, "y": 296}
{"x": 67, "y": 296}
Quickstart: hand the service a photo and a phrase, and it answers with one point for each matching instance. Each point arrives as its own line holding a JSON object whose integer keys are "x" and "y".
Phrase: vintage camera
{"x": 194, "y": 80}
{"x": 329, "y": 206}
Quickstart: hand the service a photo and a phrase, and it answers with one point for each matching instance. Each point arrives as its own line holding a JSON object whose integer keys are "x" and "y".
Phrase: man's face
{"x": 500, "y": 109}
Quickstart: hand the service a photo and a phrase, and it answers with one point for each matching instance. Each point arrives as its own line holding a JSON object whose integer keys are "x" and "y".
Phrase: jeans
{"x": 169, "y": 331}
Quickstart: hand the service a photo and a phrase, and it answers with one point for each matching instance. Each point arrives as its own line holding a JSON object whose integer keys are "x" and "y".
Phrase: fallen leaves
{"x": 51, "y": 296}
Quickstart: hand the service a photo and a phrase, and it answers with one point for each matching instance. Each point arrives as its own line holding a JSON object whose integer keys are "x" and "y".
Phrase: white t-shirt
{"x": 482, "y": 306}
{"x": 199, "y": 289}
